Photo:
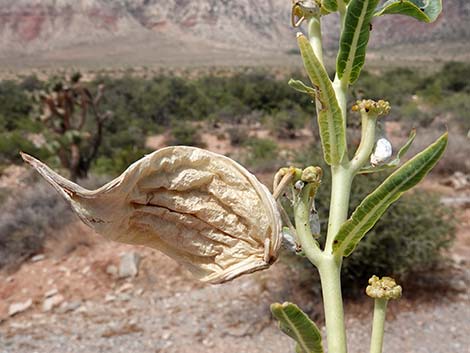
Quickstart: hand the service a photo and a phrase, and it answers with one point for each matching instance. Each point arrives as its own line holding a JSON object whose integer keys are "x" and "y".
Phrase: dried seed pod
{"x": 200, "y": 208}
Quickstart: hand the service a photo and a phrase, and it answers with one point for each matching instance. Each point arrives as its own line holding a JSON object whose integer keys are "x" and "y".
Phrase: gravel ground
{"x": 229, "y": 318}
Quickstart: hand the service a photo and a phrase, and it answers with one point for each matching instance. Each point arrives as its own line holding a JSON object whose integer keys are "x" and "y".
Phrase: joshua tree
{"x": 66, "y": 109}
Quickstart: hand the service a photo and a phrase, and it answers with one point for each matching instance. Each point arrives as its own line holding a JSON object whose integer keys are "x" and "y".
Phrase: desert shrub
{"x": 410, "y": 237}
{"x": 262, "y": 154}
{"x": 26, "y": 219}
{"x": 455, "y": 108}
{"x": 237, "y": 135}
{"x": 186, "y": 134}
{"x": 11, "y": 143}
{"x": 286, "y": 123}
{"x": 454, "y": 76}
{"x": 119, "y": 161}
{"x": 411, "y": 113}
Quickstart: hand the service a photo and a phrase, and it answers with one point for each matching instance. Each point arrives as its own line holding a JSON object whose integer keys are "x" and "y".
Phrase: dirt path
{"x": 164, "y": 310}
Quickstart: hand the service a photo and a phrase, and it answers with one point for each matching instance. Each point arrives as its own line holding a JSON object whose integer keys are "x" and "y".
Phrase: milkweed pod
{"x": 200, "y": 208}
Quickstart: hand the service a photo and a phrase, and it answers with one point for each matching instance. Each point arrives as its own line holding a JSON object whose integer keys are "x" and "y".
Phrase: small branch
{"x": 369, "y": 123}
{"x": 378, "y": 325}
{"x": 302, "y": 209}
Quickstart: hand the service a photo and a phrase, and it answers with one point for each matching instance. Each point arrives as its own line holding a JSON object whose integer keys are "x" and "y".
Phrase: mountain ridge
{"x": 37, "y": 27}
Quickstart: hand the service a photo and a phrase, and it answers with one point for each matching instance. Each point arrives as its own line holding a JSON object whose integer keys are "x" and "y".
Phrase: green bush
{"x": 286, "y": 123}
{"x": 119, "y": 161}
{"x": 262, "y": 154}
{"x": 185, "y": 134}
{"x": 11, "y": 143}
{"x": 238, "y": 135}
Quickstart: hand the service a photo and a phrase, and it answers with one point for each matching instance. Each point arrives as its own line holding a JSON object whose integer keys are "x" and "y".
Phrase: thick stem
{"x": 330, "y": 276}
{"x": 380, "y": 310}
{"x": 339, "y": 203}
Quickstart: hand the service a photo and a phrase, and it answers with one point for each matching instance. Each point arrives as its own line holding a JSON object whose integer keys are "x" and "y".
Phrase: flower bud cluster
{"x": 372, "y": 107}
{"x": 383, "y": 288}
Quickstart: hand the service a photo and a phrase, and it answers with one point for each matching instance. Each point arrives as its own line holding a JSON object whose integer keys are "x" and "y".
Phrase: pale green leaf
{"x": 354, "y": 39}
{"x": 299, "y": 86}
{"x": 423, "y": 10}
{"x": 330, "y": 119}
{"x": 297, "y": 325}
{"x": 395, "y": 162}
{"x": 373, "y": 206}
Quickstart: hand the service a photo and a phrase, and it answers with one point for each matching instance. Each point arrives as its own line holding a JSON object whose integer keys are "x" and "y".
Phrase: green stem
{"x": 302, "y": 226}
{"x": 314, "y": 35}
{"x": 377, "y": 338}
{"x": 339, "y": 203}
{"x": 366, "y": 146}
{"x": 330, "y": 276}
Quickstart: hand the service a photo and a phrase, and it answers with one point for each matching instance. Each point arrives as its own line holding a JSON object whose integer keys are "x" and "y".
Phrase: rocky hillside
{"x": 34, "y": 26}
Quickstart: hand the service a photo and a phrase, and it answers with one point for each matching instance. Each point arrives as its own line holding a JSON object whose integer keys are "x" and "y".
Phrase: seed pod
{"x": 200, "y": 208}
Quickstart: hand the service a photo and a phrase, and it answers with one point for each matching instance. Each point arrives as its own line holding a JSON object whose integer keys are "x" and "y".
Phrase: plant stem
{"x": 302, "y": 225}
{"x": 330, "y": 276}
{"x": 314, "y": 35}
{"x": 366, "y": 146}
{"x": 329, "y": 266}
{"x": 380, "y": 310}
{"x": 339, "y": 203}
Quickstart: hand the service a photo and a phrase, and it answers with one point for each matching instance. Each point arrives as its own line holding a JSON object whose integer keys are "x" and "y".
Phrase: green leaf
{"x": 394, "y": 163}
{"x": 423, "y": 10}
{"x": 373, "y": 206}
{"x": 330, "y": 119}
{"x": 297, "y": 325}
{"x": 302, "y": 87}
{"x": 354, "y": 39}
{"x": 330, "y": 5}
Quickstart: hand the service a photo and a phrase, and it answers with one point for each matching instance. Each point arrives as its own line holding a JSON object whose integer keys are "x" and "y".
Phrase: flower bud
{"x": 383, "y": 151}
{"x": 383, "y": 288}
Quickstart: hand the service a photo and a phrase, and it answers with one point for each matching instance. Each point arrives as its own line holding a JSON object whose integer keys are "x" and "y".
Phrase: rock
{"x": 125, "y": 287}
{"x": 457, "y": 181}
{"x": 129, "y": 264}
{"x": 458, "y": 285}
{"x": 69, "y": 306}
{"x": 51, "y": 302}
{"x": 37, "y": 258}
{"x": 51, "y": 293}
{"x": 124, "y": 297}
{"x": 109, "y": 298}
{"x": 17, "y": 308}
{"x": 111, "y": 270}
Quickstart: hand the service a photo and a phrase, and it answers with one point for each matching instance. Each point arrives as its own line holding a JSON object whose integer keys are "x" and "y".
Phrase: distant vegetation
{"x": 227, "y": 108}
{"x": 141, "y": 107}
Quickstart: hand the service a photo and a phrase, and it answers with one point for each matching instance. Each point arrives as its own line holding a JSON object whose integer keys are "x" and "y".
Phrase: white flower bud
{"x": 382, "y": 152}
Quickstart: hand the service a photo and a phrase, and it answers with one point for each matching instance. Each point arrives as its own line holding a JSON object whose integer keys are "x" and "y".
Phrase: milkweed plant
{"x": 215, "y": 218}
